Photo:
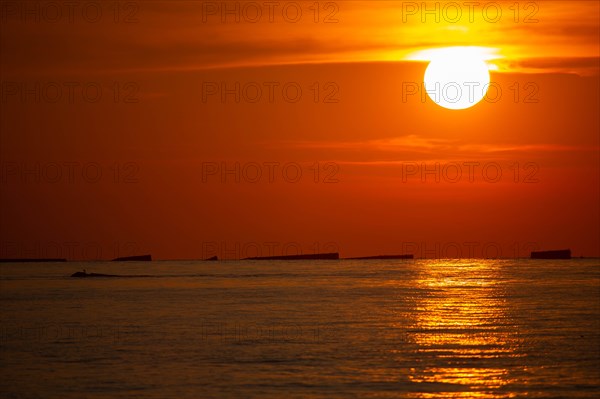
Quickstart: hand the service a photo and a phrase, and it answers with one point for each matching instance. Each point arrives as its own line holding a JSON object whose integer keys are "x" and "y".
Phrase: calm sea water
{"x": 374, "y": 329}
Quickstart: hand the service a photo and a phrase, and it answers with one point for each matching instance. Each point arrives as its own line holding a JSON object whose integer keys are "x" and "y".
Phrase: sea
{"x": 468, "y": 328}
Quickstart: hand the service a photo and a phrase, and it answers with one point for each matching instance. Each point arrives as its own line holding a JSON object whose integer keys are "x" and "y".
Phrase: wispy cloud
{"x": 176, "y": 35}
{"x": 411, "y": 147}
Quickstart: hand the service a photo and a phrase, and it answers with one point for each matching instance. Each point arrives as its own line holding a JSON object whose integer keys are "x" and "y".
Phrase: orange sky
{"x": 159, "y": 191}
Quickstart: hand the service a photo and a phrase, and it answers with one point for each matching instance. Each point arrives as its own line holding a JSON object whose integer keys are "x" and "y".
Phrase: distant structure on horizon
{"x": 137, "y": 258}
{"x": 554, "y": 254}
{"x": 407, "y": 256}
{"x": 323, "y": 256}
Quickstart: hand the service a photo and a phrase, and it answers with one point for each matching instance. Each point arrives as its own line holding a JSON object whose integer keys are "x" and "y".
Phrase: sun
{"x": 456, "y": 78}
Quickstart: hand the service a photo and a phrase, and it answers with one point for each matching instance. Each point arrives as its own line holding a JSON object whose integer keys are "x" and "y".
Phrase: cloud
{"x": 415, "y": 148}
{"x": 178, "y": 35}
{"x": 582, "y": 65}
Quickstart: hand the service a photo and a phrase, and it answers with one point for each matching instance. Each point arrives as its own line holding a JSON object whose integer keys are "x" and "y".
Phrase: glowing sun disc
{"x": 457, "y": 81}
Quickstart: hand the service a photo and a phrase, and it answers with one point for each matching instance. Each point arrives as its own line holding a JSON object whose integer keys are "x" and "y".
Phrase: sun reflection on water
{"x": 463, "y": 325}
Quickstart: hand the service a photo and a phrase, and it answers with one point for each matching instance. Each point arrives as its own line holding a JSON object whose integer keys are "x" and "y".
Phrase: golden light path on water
{"x": 375, "y": 329}
{"x": 463, "y": 325}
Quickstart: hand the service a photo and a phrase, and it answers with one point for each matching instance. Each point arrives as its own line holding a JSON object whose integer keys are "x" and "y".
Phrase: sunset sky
{"x": 141, "y": 129}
